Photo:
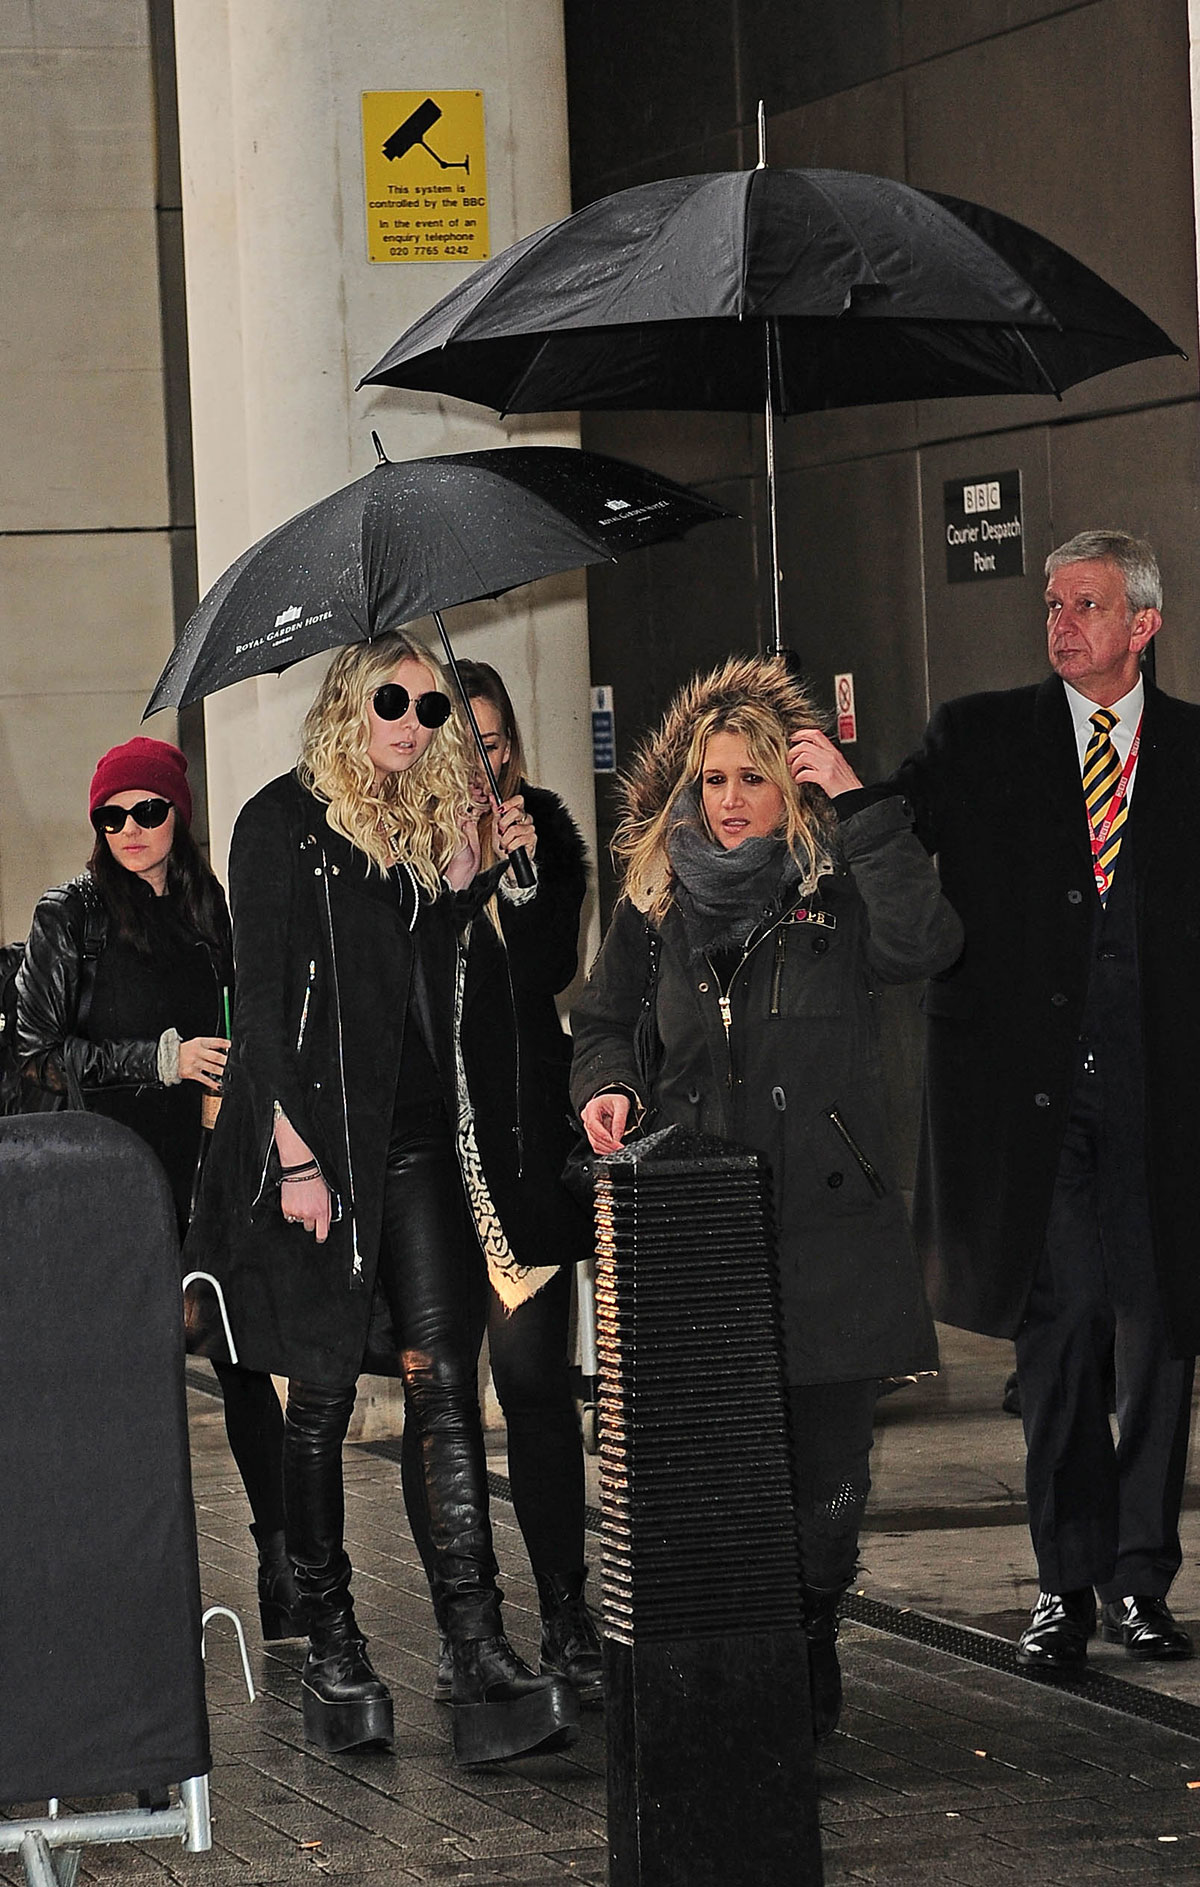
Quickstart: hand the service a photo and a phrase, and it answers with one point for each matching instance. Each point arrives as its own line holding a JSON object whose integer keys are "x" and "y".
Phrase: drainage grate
{"x": 999, "y": 1654}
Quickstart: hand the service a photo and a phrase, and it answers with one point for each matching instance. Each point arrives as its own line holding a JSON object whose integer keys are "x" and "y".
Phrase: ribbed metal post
{"x": 711, "y": 1771}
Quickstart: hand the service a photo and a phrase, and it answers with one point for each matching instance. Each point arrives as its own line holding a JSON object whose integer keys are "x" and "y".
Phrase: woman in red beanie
{"x": 121, "y": 1000}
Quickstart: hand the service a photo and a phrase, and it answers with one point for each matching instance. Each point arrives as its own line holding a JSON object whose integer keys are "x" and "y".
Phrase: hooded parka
{"x": 796, "y": 1071}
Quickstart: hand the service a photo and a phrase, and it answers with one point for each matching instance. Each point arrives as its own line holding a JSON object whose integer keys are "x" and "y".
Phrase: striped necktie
{"x": 1101, "y": 771}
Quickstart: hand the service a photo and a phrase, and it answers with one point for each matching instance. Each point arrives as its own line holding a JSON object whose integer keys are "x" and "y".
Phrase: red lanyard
{"x": 1100, "y": 839}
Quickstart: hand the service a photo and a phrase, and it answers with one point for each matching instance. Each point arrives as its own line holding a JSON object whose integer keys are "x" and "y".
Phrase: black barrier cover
{"x": 101, "y": 1680}
{"x": 711, "y": 1774}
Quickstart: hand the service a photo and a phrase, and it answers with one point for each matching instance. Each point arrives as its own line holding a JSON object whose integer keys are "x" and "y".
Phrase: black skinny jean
{"x": 531, "y": 1373}
{"x": 425, "y": 1272}
{"x": 832, "y": 1430}
{"x": 254, "y": 1427}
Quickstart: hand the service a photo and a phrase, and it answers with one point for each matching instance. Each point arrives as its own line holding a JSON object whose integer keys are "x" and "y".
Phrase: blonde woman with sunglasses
{"x": 354, "y": 1186}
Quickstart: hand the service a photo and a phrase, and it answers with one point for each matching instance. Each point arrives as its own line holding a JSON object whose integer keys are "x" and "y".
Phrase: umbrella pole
{"x": 519, "y": 859}
{"x": 769, "y": 434}
{"x": 772, "y": 501}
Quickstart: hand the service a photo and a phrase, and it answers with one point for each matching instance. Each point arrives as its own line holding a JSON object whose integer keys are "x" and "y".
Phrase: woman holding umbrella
{"x": 775, "y": 900}
{"x": 527, "y": 1341}
{"x": 120, "y": 1007}
{"x": 351, "y": 1165}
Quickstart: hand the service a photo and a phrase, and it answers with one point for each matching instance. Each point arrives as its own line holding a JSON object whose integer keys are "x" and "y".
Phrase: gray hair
{"x": 1132, "y": 555}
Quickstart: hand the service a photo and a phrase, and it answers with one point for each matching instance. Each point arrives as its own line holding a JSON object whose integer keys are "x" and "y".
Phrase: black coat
{"x": 320, "y": 1029}
{"x": 542, "y": 936}
{"x": 997, "y": 790}
{"x": 803, "y": 1046}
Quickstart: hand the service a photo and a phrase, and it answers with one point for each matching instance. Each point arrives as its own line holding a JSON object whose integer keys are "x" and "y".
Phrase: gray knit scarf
{"x": 722, "y": 896}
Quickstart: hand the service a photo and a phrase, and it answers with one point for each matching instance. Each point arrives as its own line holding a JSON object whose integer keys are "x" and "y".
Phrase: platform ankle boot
{"x": 500, "y": 1708}
{"x": 278, "y": 1600}
{"x": 346, "y": 1702}
{"x": 824, "y": 1672}
{"x": 570, "y": 1641}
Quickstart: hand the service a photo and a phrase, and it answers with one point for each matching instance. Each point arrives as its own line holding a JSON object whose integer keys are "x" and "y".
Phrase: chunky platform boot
{"x": 346, "y": 1703}
{"x": 500, "y": 1708}
{"x": 824, "y": 1672}
{"x": 570, "y": 1641}
{"x": 279, "y": 1606}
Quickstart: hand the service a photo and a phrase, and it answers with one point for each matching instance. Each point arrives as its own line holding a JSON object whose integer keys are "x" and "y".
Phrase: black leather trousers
{"x": 528, "y": 1352}
{"x": 426, "y": 1258}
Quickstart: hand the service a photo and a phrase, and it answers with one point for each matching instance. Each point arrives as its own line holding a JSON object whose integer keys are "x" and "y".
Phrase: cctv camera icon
{"x": 412, "y": 132}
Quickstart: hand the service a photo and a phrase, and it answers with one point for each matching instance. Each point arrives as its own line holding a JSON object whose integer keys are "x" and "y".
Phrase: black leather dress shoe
{"x": 1056, "y": 1637}
{"x": 1145, "y": 1627}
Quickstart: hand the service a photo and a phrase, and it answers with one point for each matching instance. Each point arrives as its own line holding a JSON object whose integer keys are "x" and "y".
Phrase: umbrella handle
{"x": 518, "y": 858}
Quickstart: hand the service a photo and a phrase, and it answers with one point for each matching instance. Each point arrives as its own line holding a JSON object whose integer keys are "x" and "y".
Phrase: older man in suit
{"x": 1056, "y": 1186}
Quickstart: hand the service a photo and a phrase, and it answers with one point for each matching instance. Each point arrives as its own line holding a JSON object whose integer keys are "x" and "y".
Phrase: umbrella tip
{"x": 762, "y": 135}
{"x": 378, "y": 445}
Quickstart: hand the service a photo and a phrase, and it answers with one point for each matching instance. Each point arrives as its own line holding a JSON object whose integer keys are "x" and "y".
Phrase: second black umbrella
{"x": 410, "y": 540}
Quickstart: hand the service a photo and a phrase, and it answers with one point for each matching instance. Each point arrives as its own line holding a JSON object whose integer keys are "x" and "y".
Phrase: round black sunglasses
{"x": 391, "y": 704}
{"x": 148, "y": 813}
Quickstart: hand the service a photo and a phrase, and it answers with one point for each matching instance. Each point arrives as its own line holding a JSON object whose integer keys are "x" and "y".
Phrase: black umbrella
{"x": 784, "y": 291}
{"x": 410, "y": 540}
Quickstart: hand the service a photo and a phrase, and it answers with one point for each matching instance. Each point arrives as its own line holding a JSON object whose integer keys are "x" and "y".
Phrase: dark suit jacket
{"x": 997, "y": 793}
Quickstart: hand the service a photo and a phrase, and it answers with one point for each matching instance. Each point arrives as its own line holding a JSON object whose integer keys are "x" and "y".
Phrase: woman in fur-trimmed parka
{"x": 780, "y": 900}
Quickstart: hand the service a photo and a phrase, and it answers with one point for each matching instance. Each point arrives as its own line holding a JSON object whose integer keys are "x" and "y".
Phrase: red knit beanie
{"x": 153, "y": 764}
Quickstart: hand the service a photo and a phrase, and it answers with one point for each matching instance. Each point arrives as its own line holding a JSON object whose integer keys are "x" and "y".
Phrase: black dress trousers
{"x": 1104, "y": 1512}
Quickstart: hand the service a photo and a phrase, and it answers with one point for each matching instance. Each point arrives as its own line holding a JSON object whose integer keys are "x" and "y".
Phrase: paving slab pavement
{"x": 949, "y": 1767}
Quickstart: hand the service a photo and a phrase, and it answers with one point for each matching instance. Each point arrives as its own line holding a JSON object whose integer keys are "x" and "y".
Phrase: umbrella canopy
{"x": 868, "y": 290}
{"x": 411, "y": 539}
{"x": 779, "y": 291}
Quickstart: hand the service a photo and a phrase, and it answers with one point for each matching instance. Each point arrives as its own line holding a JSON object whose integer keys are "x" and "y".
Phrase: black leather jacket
{"x": 69, "y": 926}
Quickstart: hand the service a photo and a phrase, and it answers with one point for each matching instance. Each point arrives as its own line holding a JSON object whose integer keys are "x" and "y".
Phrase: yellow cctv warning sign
{"x": 425, "y": 170}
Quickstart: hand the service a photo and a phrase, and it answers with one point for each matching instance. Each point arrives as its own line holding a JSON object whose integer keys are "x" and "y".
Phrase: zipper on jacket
{"x": 725, "y": 996}
{"x": 869, "y": 1174}
{"x": 266, "y": 1159}
{"x": 725, "y": 1000}
{"x": 356, "y": 1271}
{"x": 312, "y": 974}
{"x": 777, "y": 971}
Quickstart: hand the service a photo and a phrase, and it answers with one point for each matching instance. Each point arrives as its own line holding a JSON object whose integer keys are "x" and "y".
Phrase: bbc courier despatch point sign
{"x": 425, "y": 171}
{"x": 985, "y": 535}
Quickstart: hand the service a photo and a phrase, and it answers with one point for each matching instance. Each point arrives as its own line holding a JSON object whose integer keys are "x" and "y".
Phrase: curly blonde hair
{"x": 415, "y": 814}
{"x": 753, "y": 697}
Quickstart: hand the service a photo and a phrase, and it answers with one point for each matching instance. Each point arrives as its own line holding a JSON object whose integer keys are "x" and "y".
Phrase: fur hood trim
{"x": 654, "y": 773}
